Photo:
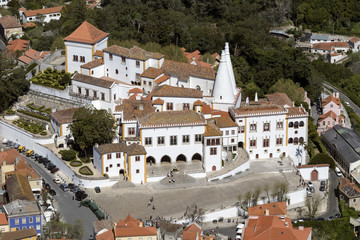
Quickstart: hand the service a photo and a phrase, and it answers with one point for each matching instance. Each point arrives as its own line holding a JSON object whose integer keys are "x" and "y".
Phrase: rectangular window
{"x": 103, "y": 96}
{"x": 186, "y": 106}
{"x": 107, "y": 169}
{"x": 86, "y": 92}
{"x": 79, "y": 90}
{"x": 118, "y": 165}
{"x": 131, "y": 131}
{"x": 227, "y": 132}
{"x": 161, "y": 140}
{"x": 123, "y": 60}
{"x": 232, "y": 132}
{"x": 137, "y": 63}
{"x": 232, "y": 140}
{"x": 38, "y": 227}
{"x": 279, "y": 141}
{"x": 173, "y": 140}
{"x": 242, "y": 129}
{"x": 148, "y": 141}
{"x": 266, "y": 127}
{"x": 186, "y": 138}
{"x": 75, "y": 58}
{"x": 23, "y": 220}
{"x": 109, "y": 156}
{"x": 137, "y": 170}
{"x": 37, "y": 219}
{"x": 266, "y": 142}
{"x": 110, "y": 166}
{"x": 253, "y": 127}
{"x": 110, "y": 57}
{"x": 169, "y": 106}
{"x": 144, "y": 83}
{"x": 95, "y": 94}
{"x": 252, "y": 143}
{"x": 31, "y": 220}
{"x": 115, "y": 96}
{"x": 17, "y": 221}
{"x": 118, "y": 155}
{"x": 137, "y": 76}
{"x": 280, "y": 125}
{"x": 137, "y": 158}
{"x": 149, "y": 83}
{"x": 82, "y": 59}
{"x": 213, "y": 151}
{"x": 198, "y": 138}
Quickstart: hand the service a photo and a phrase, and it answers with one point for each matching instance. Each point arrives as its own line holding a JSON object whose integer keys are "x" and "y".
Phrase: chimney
{"x": 301, "y": 228}
{"x": 247, "y": 102}
{"x": 141, "y": 224}
{"x": 286, "y": 224}
{"x": 267, "y": 212}
{"x": 256, "y": 97}
{"x": 17, "y": 160}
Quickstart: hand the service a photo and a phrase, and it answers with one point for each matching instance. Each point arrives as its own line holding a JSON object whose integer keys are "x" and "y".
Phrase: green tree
{"x": 323, "y": 158}
{"x": 292, "y": 89}
{"x": 92, "y": 126}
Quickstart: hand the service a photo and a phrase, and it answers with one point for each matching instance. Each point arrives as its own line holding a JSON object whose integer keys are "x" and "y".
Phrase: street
{"x": 333, "y": 206}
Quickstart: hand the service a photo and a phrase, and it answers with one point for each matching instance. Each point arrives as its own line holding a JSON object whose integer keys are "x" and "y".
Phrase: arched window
{"x": 290, "y": 140}
{"x": 117, "y": 71}
{"x": 301, "y": 140}
{"x": 301, "y": 124}
{"x": 198, "y": 88}
{"x": 291, "y": 124}
{"x": 296, "y": 141}
{"x": 296, "y": 124}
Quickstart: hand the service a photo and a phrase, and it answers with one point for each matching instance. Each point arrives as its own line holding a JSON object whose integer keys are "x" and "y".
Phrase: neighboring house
{"x": 9, "y": 25}
{"x": 354, "y": 43}
{"x": 335, "y": 57}
{"x": 3, "y": 3}
{"x": 43, "y": 15}
{"x": 269, "y": 221}
{"x": 31, "y": 56}
{"x": 61, "y": 121}
{"x": 329, "y": 120}
{"x": 195, "y": 58}
{"x": 316, "y": 172}
{"x": 23, "y": 214}
{"x": 25, "y": 234}
{"x": 18, "y": 45}
{"x": 18, "y": 188}
{"x": 350, "y": 193}
{"x": 4, "y": 224}
{"x": 343, "y": 145}
{"x": 102, "y": 226}
{"x": 229, "y": 131}
{"x": 323, "y": 38}
{"x": 332, "y": 103}
{"x": 134, "y": 229}
{"x": 7, "y": 162}
{"x": 330, "y": 47}
{"x": 169, "y": 231}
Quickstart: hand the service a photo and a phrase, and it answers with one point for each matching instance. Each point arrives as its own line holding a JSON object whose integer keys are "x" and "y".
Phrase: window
{"x": 266, "y": 142}
{"x": 296, "y": 125}
{"x": 37, "y": 219}
{"x": 131, "y": 131}
{"x": 82, "y": 59}
{"x": 227, "y": 132}
{"x": 123, "y": 60}
{"x": 232, "y": 140}
{"x": 17, "y": 221}
{"x": 186, "y": 106}
{"x": 290, "y": 140}
{"x": 169, "y": 106}
{"x": 118, "y": 165}
{"x": 279, "y": 125}
{"x": 296, "y": 141}
{"x": 75, "y": 58}
{"x": 161, "y": 140}
{"x": 149, "y": 83}
{"x": 115, "y": 96}
{"x": 86, "y": 92}
{"x": 301, "y": 124}
{"x": 148, "y": 141}
{"x": 106, "y": 169}
{"x": 137, "y": 158}
{"x": 23, "y": 227}
{"x": 186, "y": 138}
{"x": 149, "y": 238}
{"x": 252, "y": 143}
{"x": 23, "y": 220}
{"x": 198, "y": 138}
{"x": 38, "y": 227}
{"x": 31, "y": 220}
{"x": 110, "y": 166}
{"x": 137, "y": 63}
{"x": 79, "y": 90}
{"x": 301, "y": 140}
{"x": 253, "y": 127}
{"x": 213, "y": 151}
{"x": 279, "y": 141}
{"x": 173, "y": 140}
{"x": 213, "y": 142}
{"x": 103, "y": 96}
{"x": 242, "y": 129}
{"x": 92, "y": 72}
{"x": 95, "y": 94}
{"x": 109, "y": 156}
{"x": 291, "y": 124}
{"x": 118, "y": 155}
{"x": 137, "y": 170}
{"x": 116, "y": 71}
{"x": 137, "y": 76}
{"x": 232, "y": 132}
{"x": 144, "y": 82}
{"x": 110, "y": 57}
{"x": 266, "y": 127}
{"x": 331, "y": 105}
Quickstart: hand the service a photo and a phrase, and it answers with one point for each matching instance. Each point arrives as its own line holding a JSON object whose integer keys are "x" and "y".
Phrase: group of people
{"x": 171, "y": 175}
{"x": 150, "y": 202}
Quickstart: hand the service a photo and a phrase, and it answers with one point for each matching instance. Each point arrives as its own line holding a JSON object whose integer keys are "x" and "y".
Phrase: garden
{"x": 52, "y": 78}
{"x": 71, "y": 156}
{"x": 31, "y": 127}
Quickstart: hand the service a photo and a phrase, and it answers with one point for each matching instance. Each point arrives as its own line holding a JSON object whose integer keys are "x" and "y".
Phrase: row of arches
{"x": 296, "y": 140}
{"x": 296, "y": 124}
{"x": 179, "y": 158}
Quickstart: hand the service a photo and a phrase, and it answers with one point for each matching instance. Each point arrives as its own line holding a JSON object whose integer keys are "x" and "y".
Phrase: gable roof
{"x": 170, "y": 91}
{"x": 330, "y": 114}
{"x": 21, "y": 207}
{"x": 279, "y": 99}
{"x": 162, "y": 79}
{"x": 212, "y": 130}
{"x": 354, "y": 39}
{"x": 135, "y": 90}
{"x": 131, "y": 228}
{"x": 19, "y": 234}
{"x": 18, "y": 187}
{"x": 30, "y": 13}
{"x": 86, "y": 33}
{"x": 349, "y": 189}
{"x": 135, "y": 52}
{"x": 275, "y": 208}
{"x": 259, "y": 109}
{"x": 18, "y": 44}
{"x": 330, "y": 98}
{"x": 135, "y": 149}
{"x": 64, "y": 116}
{"x": 3, "y": 219}
{"x": 25, "y": 59}
{"x": 133, "y": 109}
{"x": 107, "y": 235}
{"x": 158, "y": 101}
{"x": 224, "y": 122}
{"x": 330, "y": 45}
{"x": 9, "y": 22}
{"x": 152, "y": 72}
{"x": 111, "y": 148}
{"x": 184, "y": 70}
{"x": 101, "y": 82}
{"x": 9, "y": 156}
{"x": 99, "y": 53}
{"x": 93, "y": 64}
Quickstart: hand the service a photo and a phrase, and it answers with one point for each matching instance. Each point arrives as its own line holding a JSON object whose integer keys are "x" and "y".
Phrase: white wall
{"x": 79, "y": 49}
{"x": 4, "y": 3}
{"x": 92, "y": 88}
{"x": 211, "y": 161}
{"x": 242, "y": 168}
{"x": 46, "y": 17}
{"x": 178, "y": 102}
{"x": 51, "y": 91}
{"x": 111, "y": 165}
{"x": 230, "y": 137}
{"x": 206, "y": 85}
{"x": 140, "y": 177}
{"x": 322, "y": 171}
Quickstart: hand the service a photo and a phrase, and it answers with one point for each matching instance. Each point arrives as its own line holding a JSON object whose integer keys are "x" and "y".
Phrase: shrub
{"x": 68, "y": 155}
{"x": 85, "y": 171}
{"x": 85, "y": 159}
{"x": 75, "y": 163}
{"x": 106, "y": 175}
{"x": 323, "y": 158}
{"x": 35, "y": 115}
{"x": 43, "y": 133}
{"x": 10, "y": 112}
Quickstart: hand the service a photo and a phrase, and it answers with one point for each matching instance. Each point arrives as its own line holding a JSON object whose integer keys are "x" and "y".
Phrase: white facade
{"x": 230, "y": 138}
{"x": 309, "y": 172}
{"x": 4, "y": 3}
{"x": 137, "y": 168}
{"x": 212, "y": 153}
{"x": 41, "y": 18}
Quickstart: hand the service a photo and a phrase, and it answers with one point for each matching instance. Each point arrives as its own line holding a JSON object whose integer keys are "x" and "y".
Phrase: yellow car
{"x": 21, "y": 148}
{"x": 29, "y": 153}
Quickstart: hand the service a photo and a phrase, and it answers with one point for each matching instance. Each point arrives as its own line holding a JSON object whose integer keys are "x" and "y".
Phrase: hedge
{"x": 40, "y": 109}
{"x": 10, "y": 112}
{"x": 68, "y": 155}
{"x": 35, "y": 115}
{"x": 75, "y": 163}
{"x": 85, "y": 170}
{"x": 85, "y": 159}
{"x": 30, "y": 127}
{"x": 30, "y": 67}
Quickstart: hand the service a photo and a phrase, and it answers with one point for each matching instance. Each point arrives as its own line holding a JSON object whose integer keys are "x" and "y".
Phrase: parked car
{"x": 52, "y": 192}
{"x": 221, "y": 219}
{"x": 338, "y": 172}
{"x": 310, "y": 184}
{"x": 347, "y": 104}
{"x": 56, "y": 180}
{"x": 320, "y": 218}
{"x": 29, "y": 153}
{"x": 80, "y": 195}
{"x": 338, "y": 215}
{"x": 47, "y": 186}
{"x": 54, "y": 170}
{"x": 21, "y": 148}
{"x": 214, "y": 221}
{"x": 97, "y": 189}
{"x": 41, "y": 160}
{"x": 322, "y": 183}
{"x": 51, "y": 166}
{"x": 64, "y": 187}
{"x": 322, "y": 188}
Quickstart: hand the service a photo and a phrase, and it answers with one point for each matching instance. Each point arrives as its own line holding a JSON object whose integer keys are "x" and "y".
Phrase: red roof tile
{"x": 29, "y": 13}
{"x": 275, "y": 208}
{"x": 108, "y": 235}
{"x": 9, "y": 22}
{"x": 30, "y": 24}
{"x": 152, "y": 73}
{"x": 9, "y": 156}
{"x": 135, "y": 90}
{"x": 3, "y": 219}
{"x": 184, "y": 70}
{"x": 18, "y": 44}
{"x": 158, "y": 101}
{"x": 354, "y": 39}
{"x": 25, "y": 59}
{"x": 331, "y": 98}
{"x": 86, "y": 33}
{"x": 162, "y": 79}
{"x": 330, "y": 45}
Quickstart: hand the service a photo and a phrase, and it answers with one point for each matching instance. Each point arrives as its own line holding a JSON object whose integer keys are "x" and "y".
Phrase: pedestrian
{"x": 153, "y": 207}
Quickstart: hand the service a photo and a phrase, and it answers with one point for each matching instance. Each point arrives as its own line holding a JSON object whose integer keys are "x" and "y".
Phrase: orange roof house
{"x": 18, "y": 44}
{"x": 133, "y": 228}
{"x": 269, "y": 209}
{"x": 194, "y": 232}
{"x": 43, "y": 11}
{"x": 9, "y": 156}
{"x": 86, "y": 33}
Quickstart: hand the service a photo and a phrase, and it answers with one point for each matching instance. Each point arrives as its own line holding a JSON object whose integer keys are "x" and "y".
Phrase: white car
{"x": 56, "y": 180}
{"x": 338, "y": 172}
{"x": 310, "y": 184}
{"x": 347, "y": 104}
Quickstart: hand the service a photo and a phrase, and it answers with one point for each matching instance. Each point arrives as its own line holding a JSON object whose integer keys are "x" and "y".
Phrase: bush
{"x": 85, "y": 171}
{"x": 106, "y": 175}
{"x": 52, "y": 78}
{"x": 10, "y": 112}
{"x": 75, "y": 163}
{"x": 323, "y": 158}
{"x": 68, "y": 155}
{"x": 43, "y": 133}
{"x": 35, "y": 115}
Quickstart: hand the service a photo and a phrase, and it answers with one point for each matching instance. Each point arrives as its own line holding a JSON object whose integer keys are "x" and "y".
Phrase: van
{"x": 21, "y": 149}
{"x": 64, "y": 187}
{"x": 338, "y": 172}
{"x": 29, "y": 153}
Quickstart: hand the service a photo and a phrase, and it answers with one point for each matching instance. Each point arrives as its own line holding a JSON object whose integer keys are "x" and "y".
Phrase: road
{"x": 70, "y": 210}
{"x": 333, "y": 206}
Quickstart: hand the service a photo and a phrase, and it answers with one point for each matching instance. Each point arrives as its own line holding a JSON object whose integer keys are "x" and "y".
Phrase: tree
{"x": 312, "y": 205}
{"x": 267, "y": 191}
{"x": 256, "y": 195}
{"x": 279, "y": 191}
{"x": 58, "y": 229}
{"x": 194, "y": 213}
{"x": 292, "y": 89}
{"x": 322, "y": 158}
{"x": 91, "y": 126}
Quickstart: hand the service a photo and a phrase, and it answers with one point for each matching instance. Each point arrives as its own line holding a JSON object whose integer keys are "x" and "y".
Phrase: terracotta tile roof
{"x": 273, "y": 228}
{"x": 3, "y": 219}
{"x": 330, "y": 45}
{"x": 198, "y": 103}
{"x": 275, "y": 209}
{"x": 330, "y": 114}
{"x": 206, "y": 109}
{"x": 18, "y": 187}
{"x": 158, "y": 101}
{"x": 331, "y": 98}
{"x": 9, "y": 156}
{"x": 19, "y": 234}
{"x": 93, "y": 80}
{"x": 99, "y": 53}
{"x": 33, "y": 54}
{"x": 135, "y": 97}
{"x": 349, "y": 189}
{"x": 18, "y": 44}
{"x": 135, "y": 149}
{"x": 86, "y": 33}
{"x": 133, "y": 109}
{"x": 25, "y": 59}
{"x": 9, "y": 22}
{"x": 152, "y": 73}
{"x": 354, "y": 39}
{"x": 135, "y": 52}
{"x": 224, "y": 122}
{"x": 135, "y": 231}
{"x": 171, "y": 118}
{"x": 193, "y": 228}
{"x": 162, "y": 79}
{"x": 108, "y": 235}
{"x": 135, "y": 90}
{"x": 279, "y": 99}
{"x": 315, "y": 165}
{"x": 170, "y": 91}
{"x": 116, "y": 81}
{"x": 64, "y": 116}
{"x": 184, "y": 70}
{"x": 23, "y": 172}
{"x": 93, "y": 64}
{"x": 190, "y": 236}
{"x": 204, "y": 64}
{"x": 29, "y": 13}
{"x": 195, "y": 55}
{"x": 295, "y": 111}
{"x": 103, "y": 224}
{"x": 258, "y": 109}
{"x": 111, "y": 148}
{"x": 30, "y": 24}
{"x": 212, "y": 130}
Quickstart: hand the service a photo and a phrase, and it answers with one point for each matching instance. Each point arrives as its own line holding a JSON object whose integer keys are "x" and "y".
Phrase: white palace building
{"x": 168, "y": 111}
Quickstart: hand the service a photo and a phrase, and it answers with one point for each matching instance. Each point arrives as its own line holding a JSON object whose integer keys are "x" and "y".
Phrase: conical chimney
{"x": 229, "y": 66}
{"x": 223, "y": 90}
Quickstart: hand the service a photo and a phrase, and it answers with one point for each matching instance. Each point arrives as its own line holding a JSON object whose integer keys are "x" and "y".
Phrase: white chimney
{"x": 223, "y": 91}
{"x": 247, "y": 101}
{"x": 229, "y": 66}
{"x": 256, "y": 97}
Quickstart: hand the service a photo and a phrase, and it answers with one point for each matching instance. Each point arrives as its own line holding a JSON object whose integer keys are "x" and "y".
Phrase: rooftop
{"x": 9, "y": 22}
{"x": 106, "y": 235}
{"x": 172, "y": 118}
{"x": 135, "y": 52}
{"x": 9, "y": 156}
{"x": 18, "y": 44}
{"x": 330, "y": 45}
{"x": 152, "y": 72}
{"x": 279, "y": 99}
{"x": 170, "y": 91}
{"x": 224, "y": 122}
{"x": 93, "y": 64}
{"x": 64, "y": 116}
{"x": 111, "y": 148}
{"x": 103, "y": 224}
{"x": 3, "y": 219}
{"x": 21, "y": 207}
{"x": 349, "y": 189}
{"x": 271, "y": 209}
{"x": 132, "y": 228}
{"x": 133, "y": 109}
{"x": 18, "y": 187}
{"x": 331, "y": 98}
{"x": 259, "y": 109}
{"x": 212, "y": 130}
{"x": 30, "y": 13}
{"x": 93, "y": 80}
{"x": 86, "y": 33}
{"x": 29, "y": 233}
{"x": 162, "y": 79}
